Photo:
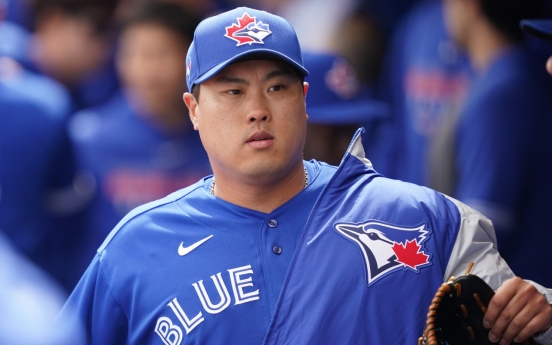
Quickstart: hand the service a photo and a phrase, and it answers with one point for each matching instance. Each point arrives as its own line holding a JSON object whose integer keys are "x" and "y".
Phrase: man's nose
{"x": 258, "y": 110}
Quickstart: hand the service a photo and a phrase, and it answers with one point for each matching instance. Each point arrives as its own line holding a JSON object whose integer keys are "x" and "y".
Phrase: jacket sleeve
{"x": 476, "y": 242}
{"x": 93, "y": 310}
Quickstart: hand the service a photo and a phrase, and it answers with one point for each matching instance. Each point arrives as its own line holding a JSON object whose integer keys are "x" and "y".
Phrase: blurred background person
{"x": 337, "y": 105}
{"x": 360, "y": 39}
{"x": 499, "y": 149}
{"x": 38, "y": 185}
{"x": 472, "y": 118}
{"x": 73, "y": 43}
{"x": 139, "y": 146}
{"x": 425, "y": 78}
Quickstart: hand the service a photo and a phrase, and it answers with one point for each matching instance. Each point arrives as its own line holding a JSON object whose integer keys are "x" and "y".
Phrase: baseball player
{"x": 272, "y": 249}
{"x": 542, "y": 29}
{"x": 140, "y": 145}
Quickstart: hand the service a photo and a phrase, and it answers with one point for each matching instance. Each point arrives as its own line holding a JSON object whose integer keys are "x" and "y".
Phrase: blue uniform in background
{"x": 31, "y": 139}
{"x": 194, "y": 269}
{"x": 481, "y": 139}
{"x": 425, "y": 79}
{"x": 36, "y": 168}
{"x": 503, "y": 160}
{"x": 132, "y": 163}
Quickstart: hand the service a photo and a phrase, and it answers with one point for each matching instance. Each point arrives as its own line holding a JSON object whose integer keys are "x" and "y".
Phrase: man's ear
{"x": 305, "y": 90}
{"x": 191, "y": 103}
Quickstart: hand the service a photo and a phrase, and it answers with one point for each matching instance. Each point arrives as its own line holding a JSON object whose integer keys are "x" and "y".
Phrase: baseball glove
{"x": 456, "y": 313}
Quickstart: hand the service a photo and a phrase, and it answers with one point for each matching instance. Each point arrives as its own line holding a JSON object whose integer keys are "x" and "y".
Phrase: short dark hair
{"x": 167, "y": 15}
{"x": 99, "y": 13}
{"x": 195, "y": 92}
{"x": 505, "y": 15}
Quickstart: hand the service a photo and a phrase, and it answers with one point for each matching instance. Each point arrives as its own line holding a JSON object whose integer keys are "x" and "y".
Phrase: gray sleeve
{"x": 476, "y": 242}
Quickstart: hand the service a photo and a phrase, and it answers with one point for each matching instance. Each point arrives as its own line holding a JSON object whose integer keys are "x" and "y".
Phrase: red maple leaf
{"x": 409, "y": 254}
{"x": 243, "y": 22}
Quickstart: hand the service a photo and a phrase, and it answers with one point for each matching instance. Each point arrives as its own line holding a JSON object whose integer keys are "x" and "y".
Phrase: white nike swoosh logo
{"x": 186, "y": 250}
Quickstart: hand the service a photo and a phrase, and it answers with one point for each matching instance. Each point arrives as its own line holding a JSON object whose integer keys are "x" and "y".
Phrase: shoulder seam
{"x": 171, "y": 198}
{"x": 100, "y": 268}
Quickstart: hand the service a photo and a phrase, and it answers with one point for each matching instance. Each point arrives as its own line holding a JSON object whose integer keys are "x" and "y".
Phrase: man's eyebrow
{"x": 224, "y": 79}
{"x": 228, "y": 79}
{"x": 281, "y": 71}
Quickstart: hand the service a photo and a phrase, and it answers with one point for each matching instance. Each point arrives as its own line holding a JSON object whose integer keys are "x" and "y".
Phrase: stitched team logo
{"x": 188, "y": 68}
{"x": 386, "y": 248}
{"x": 248, "y": 30}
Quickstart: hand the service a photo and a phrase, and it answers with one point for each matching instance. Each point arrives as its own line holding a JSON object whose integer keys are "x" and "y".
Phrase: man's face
{"x": 149, "y": 62}
{"x": 252, "y": 120}
{"x": 549, "y": 65}
{"x": 69, "y": 49}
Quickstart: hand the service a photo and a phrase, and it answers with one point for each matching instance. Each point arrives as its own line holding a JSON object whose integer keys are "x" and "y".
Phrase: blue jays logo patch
{"x": 248, "y": 30}
{"x": 386, "y": 248}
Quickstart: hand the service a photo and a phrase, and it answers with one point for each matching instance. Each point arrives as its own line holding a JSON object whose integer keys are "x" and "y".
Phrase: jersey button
{"x": 272, "y": 223}
{"x": 277, "y": 250}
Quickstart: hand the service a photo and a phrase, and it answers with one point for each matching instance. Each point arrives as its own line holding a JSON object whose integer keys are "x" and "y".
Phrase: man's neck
{"x": 263, "y": 196}
{"x": 485, "y": 45}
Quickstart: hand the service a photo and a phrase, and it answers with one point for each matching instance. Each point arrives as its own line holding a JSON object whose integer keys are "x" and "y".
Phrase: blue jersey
{"x": 194, "y": 269}
{"x": 425, "y": 78}
{"x": 132, "y": 163}
{"x": 35, "y": 162}
{"x": 223, "y": 291}
{"x": 503, "y": 159}
{"x": 30, "y": 141}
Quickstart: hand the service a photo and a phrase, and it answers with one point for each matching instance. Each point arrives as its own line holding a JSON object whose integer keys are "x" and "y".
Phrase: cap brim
{"x": 261, "y": 54}
{"x": 350, "y": 112}
{"x": 541, "y": 28}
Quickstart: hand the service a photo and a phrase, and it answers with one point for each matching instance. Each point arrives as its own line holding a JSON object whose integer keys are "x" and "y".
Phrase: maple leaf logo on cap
{"x": 248, "y": 31}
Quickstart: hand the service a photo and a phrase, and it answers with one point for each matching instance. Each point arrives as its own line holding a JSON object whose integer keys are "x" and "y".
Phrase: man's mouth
{"x": 260, "y": 140}
{"x": 260, "y": 136}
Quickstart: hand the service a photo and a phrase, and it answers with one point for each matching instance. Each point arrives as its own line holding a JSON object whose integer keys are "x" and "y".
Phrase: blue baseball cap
{"x": 541, "y": 28}
{"x": 335, "y": 94}
{"x": 240, "y": 34}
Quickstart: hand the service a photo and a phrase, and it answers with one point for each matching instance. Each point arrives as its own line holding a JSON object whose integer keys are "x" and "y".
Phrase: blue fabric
{"x": 35, "y": 163}
{"x": 424, "y": 78}
{"x": 235, "y": 34}
{"x": 335, "y": 94}
{"x": 128, "y": 290}
{"x": 132, "y": 162}
{"x": 15, "y": 41}
{"x": 332, "y": 294}
{"x": 138, "y": 290}
{"x": 504, "y": 151}
{"x": 46, "y": 92}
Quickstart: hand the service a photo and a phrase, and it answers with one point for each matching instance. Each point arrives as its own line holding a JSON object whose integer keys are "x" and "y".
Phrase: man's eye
{"x": 276, "y": 88}
{"x": 234, "y": 92}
